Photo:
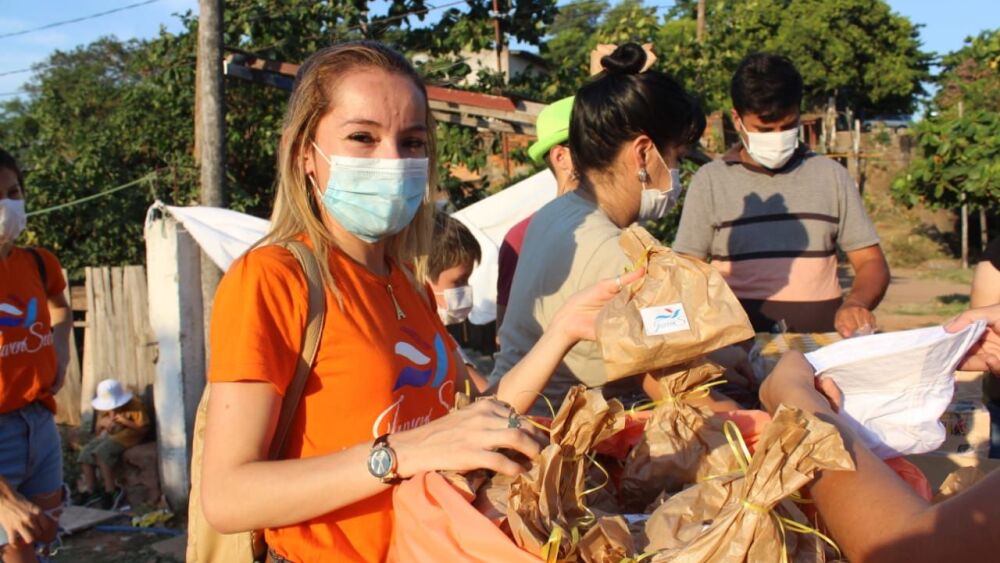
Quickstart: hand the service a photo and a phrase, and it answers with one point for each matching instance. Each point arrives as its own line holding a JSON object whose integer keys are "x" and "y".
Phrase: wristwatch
{"x": 382, "y": 462}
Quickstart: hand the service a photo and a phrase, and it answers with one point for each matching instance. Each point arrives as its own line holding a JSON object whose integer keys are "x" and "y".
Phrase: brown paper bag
{"x": 737, "y": 518}
{"x": 681, "y": 309}
{"x": 958, "y": 481}
{"x": 549, "y": 497}
{"x": 609, "y": 541}
{"x": 682, "y": 443}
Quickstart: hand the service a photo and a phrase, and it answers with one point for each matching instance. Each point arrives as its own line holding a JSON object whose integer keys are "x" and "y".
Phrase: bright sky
{"x": 946, "y": 26}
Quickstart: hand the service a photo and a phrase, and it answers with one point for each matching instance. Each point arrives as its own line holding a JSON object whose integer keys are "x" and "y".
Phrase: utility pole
{"x": 701, "y": 21}
{"x": 965, "y": 209}
{"x": 497, "y": 37}
{"x": 210, "y": 130}
{"x": 498, "y": 40}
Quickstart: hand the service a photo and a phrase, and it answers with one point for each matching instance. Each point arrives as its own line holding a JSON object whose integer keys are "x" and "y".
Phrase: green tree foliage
{"x": 110, "y": 112}
{"x": 958, "y": 151}
{"x": 972, "y": 74}
{"x": 857, "y": 50}
{"x": 956, "y": 158}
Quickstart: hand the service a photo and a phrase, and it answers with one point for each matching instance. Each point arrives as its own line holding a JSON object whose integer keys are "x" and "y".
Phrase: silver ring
{"x": 618, "y": 280}
{"x": 514, "y": 420}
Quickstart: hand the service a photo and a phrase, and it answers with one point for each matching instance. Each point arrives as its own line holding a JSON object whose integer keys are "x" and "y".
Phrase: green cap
{"x": 552, "y": 127}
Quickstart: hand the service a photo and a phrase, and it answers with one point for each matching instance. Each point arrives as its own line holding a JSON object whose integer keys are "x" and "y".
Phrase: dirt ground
{"x": 922, "y": 297}
{"x": 95, "y": 546}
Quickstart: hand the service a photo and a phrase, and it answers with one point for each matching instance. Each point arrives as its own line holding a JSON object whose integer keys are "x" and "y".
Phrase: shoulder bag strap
{"x": 310, "y": 344}
{"x": 41, "y": 266}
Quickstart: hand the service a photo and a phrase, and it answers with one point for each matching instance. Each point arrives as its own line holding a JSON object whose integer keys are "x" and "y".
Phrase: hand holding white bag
{"x": 897, "y": 385}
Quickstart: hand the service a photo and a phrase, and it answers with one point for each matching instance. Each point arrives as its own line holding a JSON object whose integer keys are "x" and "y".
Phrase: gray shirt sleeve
{"x": 856, "y": 230}
{"x": 696, "y": 230}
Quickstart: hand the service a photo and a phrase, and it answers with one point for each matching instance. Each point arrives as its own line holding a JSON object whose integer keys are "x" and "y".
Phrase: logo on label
{"x": 664, "y": 319}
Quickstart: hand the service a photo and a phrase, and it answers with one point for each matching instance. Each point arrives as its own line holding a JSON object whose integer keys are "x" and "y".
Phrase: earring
{"x": 643, "y": 176}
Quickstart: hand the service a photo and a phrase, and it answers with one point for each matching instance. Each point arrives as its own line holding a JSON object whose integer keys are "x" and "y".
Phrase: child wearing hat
{"x": 122, "y": 422}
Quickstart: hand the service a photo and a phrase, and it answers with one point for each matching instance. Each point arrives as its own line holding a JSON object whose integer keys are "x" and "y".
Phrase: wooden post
{"x": 830, "y": 125}
{"x": 210, "y": 130}
{"x": 505, "y": 150}
{"x": 965, "y": 233}
{"x": 965, "y": 208}
{"x": 984, "y": 231}
{"x": 68, "y": 398}
{"x": 856, "y": 149}
{"x": 701, "y": 22}
{"x": 173, "y": 273}
{"x": 498, "y": 36}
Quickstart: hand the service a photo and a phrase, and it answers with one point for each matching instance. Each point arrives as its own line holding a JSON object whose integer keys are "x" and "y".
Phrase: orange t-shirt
{"x": 27, "y": 355}
{"x": 373, "y": 374}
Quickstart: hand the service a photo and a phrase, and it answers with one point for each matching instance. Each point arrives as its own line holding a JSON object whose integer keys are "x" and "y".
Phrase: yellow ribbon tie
{"x": 550, "y": 551}
{"x": 699, "y": 392}
{"x": 638, "y": 558}
{"x": 743, "y": 458}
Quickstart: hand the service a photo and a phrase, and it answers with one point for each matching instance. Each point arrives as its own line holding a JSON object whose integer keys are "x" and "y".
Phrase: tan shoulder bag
{"x": 204, "y": 544}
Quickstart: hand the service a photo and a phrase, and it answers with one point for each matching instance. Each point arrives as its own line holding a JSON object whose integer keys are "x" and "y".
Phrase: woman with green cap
{"x": 552, "y": 127}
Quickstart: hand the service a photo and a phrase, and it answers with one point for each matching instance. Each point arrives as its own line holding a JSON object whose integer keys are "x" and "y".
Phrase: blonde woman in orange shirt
{"x": 355, "y": 182}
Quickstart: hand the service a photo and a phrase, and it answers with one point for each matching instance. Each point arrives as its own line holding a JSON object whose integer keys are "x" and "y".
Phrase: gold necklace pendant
{"x": 400, "y": 315}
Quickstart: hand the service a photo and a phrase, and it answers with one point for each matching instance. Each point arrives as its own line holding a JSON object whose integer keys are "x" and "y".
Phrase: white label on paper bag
{"x": 664, "y": 319}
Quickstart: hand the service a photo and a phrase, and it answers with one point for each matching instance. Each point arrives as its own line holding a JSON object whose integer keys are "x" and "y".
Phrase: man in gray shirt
{"x": 771, "y": 213}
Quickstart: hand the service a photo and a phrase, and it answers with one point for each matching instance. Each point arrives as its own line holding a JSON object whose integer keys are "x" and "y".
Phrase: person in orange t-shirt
{"x": 35, "y": 324}
{"x": 355, "y": 183}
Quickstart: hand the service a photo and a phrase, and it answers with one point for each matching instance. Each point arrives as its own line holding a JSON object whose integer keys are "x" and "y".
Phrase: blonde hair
{"x": 295, "y": 210}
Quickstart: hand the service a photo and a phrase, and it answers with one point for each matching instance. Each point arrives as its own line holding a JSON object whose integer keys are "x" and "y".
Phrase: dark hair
{"x": 766, "y": 85}
{"x": 8, "y": 161}
{"x": 454, "y": 245}
{"x": 622, "y": 103}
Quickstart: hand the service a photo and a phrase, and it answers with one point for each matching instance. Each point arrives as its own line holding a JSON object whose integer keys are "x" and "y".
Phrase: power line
{"x": 75, "y": 20}
{"x": 143, "y": 180}
{"x": 18, "y": 71}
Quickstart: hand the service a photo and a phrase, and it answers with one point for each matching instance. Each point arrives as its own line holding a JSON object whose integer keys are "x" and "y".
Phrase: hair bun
{"x": 626, "y": 59}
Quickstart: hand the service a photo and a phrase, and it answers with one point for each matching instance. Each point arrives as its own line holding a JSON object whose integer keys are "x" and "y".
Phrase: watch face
{"x": 380, "y": 462}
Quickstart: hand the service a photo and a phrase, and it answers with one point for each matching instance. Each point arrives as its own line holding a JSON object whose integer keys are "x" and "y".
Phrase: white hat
{"x": 110, "y": 395}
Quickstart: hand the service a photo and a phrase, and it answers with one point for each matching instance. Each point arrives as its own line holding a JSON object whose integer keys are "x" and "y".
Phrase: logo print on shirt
{"x": 425, "y": 372}
{"x": 17, "y": 316}
{"x": 411, "y": 376}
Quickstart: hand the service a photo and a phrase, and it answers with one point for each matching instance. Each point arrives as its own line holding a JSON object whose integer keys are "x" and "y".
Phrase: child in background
{"x": 122, "y": 423}
{"x": 449, "y": 265}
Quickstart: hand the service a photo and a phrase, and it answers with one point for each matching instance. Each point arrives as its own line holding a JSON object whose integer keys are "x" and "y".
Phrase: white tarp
{"x": 489, "y": 220}
{"x": 225, "y": 234}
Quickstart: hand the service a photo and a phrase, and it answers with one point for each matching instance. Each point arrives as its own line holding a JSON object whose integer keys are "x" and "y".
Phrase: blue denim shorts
{"x": 30, "y": 451}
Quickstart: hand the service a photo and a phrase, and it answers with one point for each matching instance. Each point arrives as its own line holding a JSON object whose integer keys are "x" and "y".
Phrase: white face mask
{"x": 457, "y": 304}
{"x": 12, "y": 219}
{"x": 654, "y": 204}
{"x": 771, "y": 150}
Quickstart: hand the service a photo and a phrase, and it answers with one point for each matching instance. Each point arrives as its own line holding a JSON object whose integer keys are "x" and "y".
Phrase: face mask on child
{"x": 457, "y": 304}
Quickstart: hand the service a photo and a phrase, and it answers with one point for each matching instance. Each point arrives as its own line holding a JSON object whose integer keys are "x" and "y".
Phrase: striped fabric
{"x": 775, "y": 236}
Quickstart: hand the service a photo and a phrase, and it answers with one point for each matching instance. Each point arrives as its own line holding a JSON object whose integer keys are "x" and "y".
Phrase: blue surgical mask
{"x": 374, "y": 197}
